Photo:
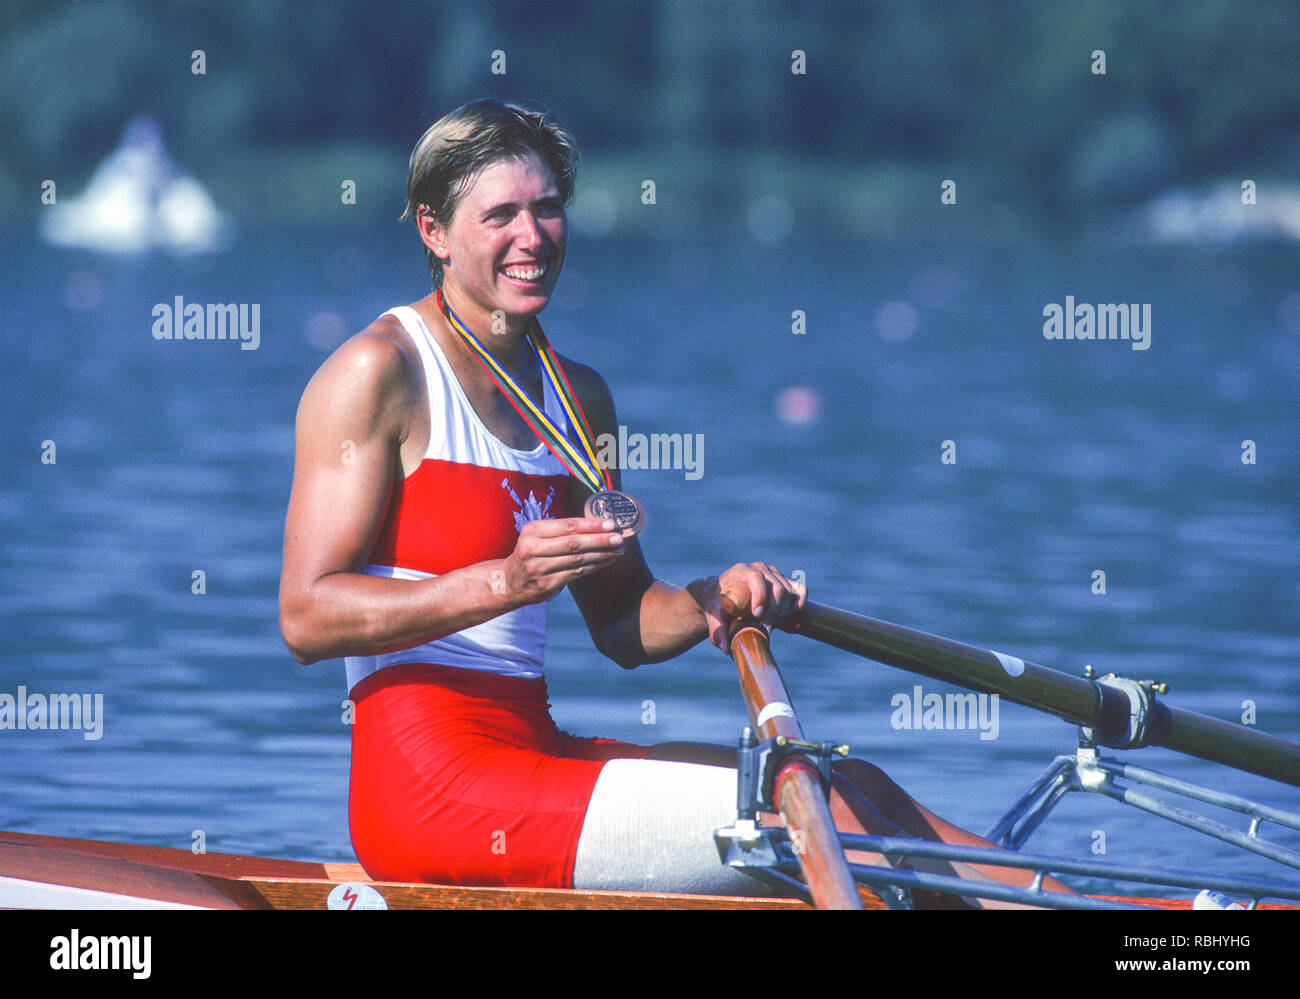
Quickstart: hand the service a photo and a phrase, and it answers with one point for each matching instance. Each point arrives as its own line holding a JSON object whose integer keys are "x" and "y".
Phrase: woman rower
{"x": 435, "y": 509}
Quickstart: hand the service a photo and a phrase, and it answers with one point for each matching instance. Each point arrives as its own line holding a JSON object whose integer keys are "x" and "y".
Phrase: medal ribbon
{"x": 577, "y": 453}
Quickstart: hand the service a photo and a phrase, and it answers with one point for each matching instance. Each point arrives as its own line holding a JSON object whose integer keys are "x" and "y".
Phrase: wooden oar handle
{"x": 799, "y": 795}
{"x": 737, "y": 601}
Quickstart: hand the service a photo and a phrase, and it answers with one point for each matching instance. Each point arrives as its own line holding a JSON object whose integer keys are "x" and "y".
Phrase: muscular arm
{"x": 634, "y": 618}
{"x": 351, "y": 425}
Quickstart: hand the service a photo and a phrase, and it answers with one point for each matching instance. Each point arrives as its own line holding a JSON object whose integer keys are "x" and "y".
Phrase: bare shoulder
{"x": 368, "y": 374}
{"x": 382, "y": 352}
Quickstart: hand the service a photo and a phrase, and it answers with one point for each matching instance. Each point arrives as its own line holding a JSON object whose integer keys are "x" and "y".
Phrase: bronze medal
{"x": 626, "y": 512}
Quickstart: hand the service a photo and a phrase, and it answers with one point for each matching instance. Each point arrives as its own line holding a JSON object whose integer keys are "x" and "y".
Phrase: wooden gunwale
{"x": 231, "y": 881}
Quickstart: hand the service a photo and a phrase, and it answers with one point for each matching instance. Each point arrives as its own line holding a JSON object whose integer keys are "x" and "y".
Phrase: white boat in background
{"x": 1223, "y": 214}
{"x": 138, "y": 200}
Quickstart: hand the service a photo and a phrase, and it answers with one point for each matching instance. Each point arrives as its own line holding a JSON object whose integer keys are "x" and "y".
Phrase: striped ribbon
{"x": 575, "y": 450}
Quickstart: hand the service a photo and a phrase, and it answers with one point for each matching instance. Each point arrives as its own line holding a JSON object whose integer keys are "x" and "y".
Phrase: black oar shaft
{"x": 1226, "y": 742}
{"x": 1074, "y": 698}
{"x": 1078, "y": 700}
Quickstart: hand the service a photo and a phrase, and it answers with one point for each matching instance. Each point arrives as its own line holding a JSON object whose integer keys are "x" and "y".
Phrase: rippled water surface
{"x": 1071, "y": 457}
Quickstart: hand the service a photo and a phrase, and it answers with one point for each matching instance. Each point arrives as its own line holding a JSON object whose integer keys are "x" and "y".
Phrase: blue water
{"x": 1071, "y": 457}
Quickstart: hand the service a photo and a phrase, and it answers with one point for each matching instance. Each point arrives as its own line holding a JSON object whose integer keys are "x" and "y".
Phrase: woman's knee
{"x": 868, "y": 778}
{"x": 695, "y": 752}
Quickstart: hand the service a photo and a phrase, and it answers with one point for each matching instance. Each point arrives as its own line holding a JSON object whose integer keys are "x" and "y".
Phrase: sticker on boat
{"x": 1011, "y": 664}
{"x": 355, "y": 896}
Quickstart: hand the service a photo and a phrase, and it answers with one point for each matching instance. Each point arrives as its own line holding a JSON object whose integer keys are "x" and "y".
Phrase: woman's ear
{"x": 433, "y": 235}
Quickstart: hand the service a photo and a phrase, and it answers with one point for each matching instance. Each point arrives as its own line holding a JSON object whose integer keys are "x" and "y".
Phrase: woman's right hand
{"x": 550, "y": 554}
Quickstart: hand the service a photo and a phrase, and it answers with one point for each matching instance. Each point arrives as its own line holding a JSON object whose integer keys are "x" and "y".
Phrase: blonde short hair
{"x": 476, "y": 135}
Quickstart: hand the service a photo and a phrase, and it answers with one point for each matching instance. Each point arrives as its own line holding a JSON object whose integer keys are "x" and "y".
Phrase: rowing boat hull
{"x": 51, "y": 872}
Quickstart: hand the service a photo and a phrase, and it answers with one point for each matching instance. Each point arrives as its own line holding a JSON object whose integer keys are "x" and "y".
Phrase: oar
{"x": 1104, "y": 708}
{"x": 799, "y": 796}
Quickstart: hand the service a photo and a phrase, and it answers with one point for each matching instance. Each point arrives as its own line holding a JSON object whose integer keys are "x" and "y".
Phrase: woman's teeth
{"x": 532, "y": 272}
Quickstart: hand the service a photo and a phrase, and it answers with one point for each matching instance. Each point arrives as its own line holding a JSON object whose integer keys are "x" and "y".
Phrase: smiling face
{"x": 504, "y": 246}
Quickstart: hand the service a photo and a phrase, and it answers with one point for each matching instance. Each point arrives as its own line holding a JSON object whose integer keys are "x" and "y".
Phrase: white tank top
{"x": 465, "y": 504}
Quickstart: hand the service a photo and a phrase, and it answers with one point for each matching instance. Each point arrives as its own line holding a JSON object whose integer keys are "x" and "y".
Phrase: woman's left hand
{"x": 773, "y": 596}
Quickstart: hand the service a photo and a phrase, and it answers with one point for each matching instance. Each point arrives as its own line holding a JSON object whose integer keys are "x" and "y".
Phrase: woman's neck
{"x": 502, "y": 336}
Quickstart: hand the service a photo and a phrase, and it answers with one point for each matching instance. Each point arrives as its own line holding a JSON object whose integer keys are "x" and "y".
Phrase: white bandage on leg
{"x": 649, "y": 827}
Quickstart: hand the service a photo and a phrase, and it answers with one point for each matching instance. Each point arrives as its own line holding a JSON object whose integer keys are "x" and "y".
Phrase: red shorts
{"x": 461, "y": 777}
